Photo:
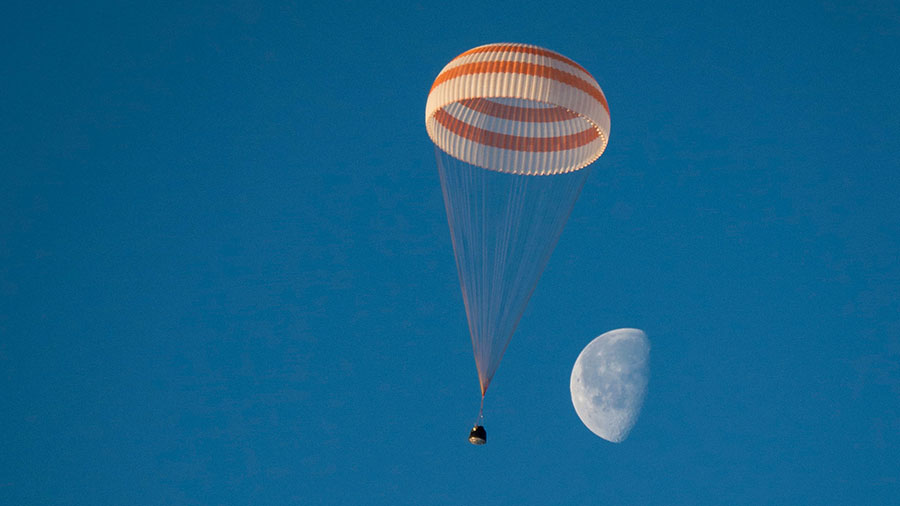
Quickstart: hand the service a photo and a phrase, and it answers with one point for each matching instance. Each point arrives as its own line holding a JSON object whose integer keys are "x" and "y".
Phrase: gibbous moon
{"x": 609, "y": 381}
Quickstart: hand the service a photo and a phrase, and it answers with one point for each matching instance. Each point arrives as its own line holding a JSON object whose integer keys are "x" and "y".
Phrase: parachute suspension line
{"x": 547, "y": 214}
{"x": 483, "y": 233}
{"x": 458, "y": 217}
{"x": 504, "y": 228}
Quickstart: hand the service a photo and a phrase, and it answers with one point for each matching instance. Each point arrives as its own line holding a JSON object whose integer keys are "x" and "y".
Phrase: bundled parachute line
{"x": 514, "y": 127}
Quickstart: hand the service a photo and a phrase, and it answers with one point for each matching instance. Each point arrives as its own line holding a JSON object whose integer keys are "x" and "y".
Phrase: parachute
{"x": 514, "y": 127}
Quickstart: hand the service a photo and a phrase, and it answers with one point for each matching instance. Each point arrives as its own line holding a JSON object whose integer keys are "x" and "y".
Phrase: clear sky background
{"x": 226, "y": 275}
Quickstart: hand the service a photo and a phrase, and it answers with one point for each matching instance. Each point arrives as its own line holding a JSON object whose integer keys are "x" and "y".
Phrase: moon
{"x": 609, "y": 381}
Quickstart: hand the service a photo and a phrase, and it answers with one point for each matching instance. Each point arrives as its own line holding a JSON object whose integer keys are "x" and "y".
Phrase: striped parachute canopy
{"x": 518, "y": 109}
{"x": 514, "y": 127}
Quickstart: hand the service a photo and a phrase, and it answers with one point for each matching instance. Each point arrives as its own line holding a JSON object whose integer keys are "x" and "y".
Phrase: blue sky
{"x": 226, "y": 275}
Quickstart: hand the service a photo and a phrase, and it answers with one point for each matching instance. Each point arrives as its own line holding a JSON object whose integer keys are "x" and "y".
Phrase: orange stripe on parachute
{"x": 530, "y": 69}
{"x": 515, "y": 142}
